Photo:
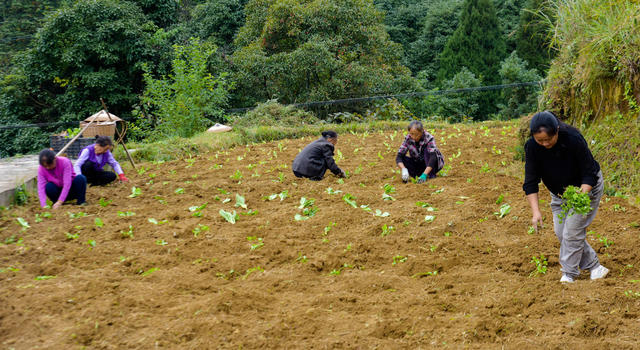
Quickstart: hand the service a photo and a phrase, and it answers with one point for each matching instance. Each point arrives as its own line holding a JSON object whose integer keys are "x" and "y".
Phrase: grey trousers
{"x": 575, "y": 253}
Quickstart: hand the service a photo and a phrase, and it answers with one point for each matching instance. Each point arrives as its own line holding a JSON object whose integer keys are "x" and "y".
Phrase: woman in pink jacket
{"x": 58, "y": 181}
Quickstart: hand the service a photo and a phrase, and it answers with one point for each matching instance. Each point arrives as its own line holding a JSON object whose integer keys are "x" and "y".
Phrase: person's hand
{"x": 536, "y": 220}
{"x": 56, "y": 205}
{"x": 585, "y": 188}
{"x": 123, "y": 178}
{"x": 422, "y": 178}
{"x": 405, "y": 174}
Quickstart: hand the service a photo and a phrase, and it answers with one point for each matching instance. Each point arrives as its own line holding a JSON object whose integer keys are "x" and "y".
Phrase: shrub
{"x": 185, "y": 101}
{"x": 272, "y": 113}
{"x": 460, "y": 107}
{"x": 518, "y": 100}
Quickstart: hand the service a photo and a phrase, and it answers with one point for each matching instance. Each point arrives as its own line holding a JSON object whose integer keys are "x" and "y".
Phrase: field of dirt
{"x": 165, "y": 271}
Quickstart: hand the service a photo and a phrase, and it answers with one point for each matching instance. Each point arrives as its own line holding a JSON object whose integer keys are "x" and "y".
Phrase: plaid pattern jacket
{"x": 417, "y": 149}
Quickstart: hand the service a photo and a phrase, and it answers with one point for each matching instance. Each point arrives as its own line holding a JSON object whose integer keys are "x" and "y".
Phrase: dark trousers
{"x": 96, "y": 177}
{"x": 314, "y": 178}
{"x": 417, "y": 166}
{"x": 77, "y": 191}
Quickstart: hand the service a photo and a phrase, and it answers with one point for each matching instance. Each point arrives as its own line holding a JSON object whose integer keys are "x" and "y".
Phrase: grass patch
{"x": 615, "y": 143}
{"x": 178, "y": 148}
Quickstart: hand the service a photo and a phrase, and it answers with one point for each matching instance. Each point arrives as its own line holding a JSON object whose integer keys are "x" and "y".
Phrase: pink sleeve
{"x": 66, "y": 180}
{"x": 42, "y": 182}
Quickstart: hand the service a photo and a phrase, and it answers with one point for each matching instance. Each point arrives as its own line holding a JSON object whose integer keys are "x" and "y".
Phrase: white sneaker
{"x": 566, "y": 279}
{"x": 599, "y": 272}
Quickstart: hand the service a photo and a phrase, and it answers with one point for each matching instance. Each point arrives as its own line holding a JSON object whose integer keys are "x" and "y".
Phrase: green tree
{"x": 19, "y": 20}
{"x": 13, "y": 111}
{"x": 508, "y": 12}
{"x": 185, "y": 101}
{"x": 478, "y": 45}
{"x": 460, "y": 106}
{"x": 533, "y": 38}
{"x": 163, "y": 13}
{"x": 518, "y": 100}
{"x": 404, "y": 19}
{"x": 219, "y": 21}
{"x": 315, "y": 50}
{"x": 96, "y": 48}
{"x": 438, "y": 25}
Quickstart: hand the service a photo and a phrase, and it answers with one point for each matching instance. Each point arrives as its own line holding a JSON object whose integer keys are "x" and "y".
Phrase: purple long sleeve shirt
{"x": 62, "y": 176}
{"x": 84, "y": 156}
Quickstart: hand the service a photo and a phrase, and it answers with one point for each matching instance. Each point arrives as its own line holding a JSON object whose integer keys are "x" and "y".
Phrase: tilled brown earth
{"x": 170, "y": 277}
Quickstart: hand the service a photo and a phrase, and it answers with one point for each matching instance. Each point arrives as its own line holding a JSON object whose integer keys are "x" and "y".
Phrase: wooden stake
{"x": 104, "y": 106}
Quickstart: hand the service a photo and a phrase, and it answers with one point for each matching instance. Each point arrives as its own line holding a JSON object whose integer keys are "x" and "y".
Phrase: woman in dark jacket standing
{"x": 314, "y": 160}
{"x": 558, "y": 155}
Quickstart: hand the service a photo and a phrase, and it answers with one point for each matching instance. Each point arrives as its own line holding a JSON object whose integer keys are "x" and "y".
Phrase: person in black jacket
{"x": 314, "y": 160}
{"x": 558, "y": 155}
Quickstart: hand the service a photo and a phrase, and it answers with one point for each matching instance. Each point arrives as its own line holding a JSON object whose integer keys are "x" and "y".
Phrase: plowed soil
{"x": 334, "y": 280}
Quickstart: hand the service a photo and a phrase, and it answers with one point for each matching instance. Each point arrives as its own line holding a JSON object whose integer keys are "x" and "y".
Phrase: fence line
{"x": 409, "y": 94}
{"x": 329, "y": 102}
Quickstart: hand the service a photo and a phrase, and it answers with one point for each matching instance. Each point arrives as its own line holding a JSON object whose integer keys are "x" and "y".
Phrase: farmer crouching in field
{"x": 58, "y": 181}
{"x": 317, "y": 157}
{"x": 558, "y": 155}
{"x": 418, "y": 155}
{"x": 93, "y": 158}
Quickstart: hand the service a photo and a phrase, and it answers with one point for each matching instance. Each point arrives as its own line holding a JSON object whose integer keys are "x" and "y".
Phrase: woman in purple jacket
{"x": 93, "y": 158}
{"x": 58, "y": 181}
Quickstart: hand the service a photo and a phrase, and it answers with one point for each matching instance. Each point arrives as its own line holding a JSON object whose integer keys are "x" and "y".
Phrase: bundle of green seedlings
{"x": 574, "y": 199}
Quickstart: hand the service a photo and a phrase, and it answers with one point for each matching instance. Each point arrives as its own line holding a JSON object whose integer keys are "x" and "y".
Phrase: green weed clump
{"x": 575, "y": 200}
{"x": 272, "y": 113}
{"x": 540, "y": 262}
{"x": 598, "y": 49}
{"x": 614, "y": 141}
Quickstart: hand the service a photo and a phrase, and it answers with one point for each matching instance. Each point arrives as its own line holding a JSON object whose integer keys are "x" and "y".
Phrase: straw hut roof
{"x": 103, "y": 117}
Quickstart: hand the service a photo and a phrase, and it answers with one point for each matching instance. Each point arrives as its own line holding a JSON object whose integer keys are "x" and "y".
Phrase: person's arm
{"x": 530, "y": 185}
{"x": 114, "y": 163}
{"x": 536, "y": 217}
{"x": 399, "y": 160}
{"x": 328, "y": 157}
{"x": 66, "y": 180}
{"x": 77, "y": 166}
{"x": 42, "y": 182}
{"x": 403, "y": 169}
{"x": 531, "y": 174}
{"x": 401, "y": 152}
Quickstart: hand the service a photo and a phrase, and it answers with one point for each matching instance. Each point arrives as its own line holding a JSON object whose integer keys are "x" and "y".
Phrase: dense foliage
{"x": 478, "y": 45}
{"x": 533, "y": 37}
{"x": 316, "y": 50}
{"x": 186, "y": 100}
{"x": 58, "y": 57}
{"x": 19, "y": 20}
{"x": 596, "y": 70}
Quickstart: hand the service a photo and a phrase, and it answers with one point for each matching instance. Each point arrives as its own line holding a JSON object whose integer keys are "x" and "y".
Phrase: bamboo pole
{"x": 73, "y": 139}
{"x": 104, "y": 106}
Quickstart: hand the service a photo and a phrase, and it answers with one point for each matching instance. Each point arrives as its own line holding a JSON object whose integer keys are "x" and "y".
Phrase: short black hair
{"x": 104, "y": 141}
{"x": 329, "y": 134}
{"x": 46, "y": 157}
{"x": 544, "y": 120}
{"x": 415, "y": 124}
